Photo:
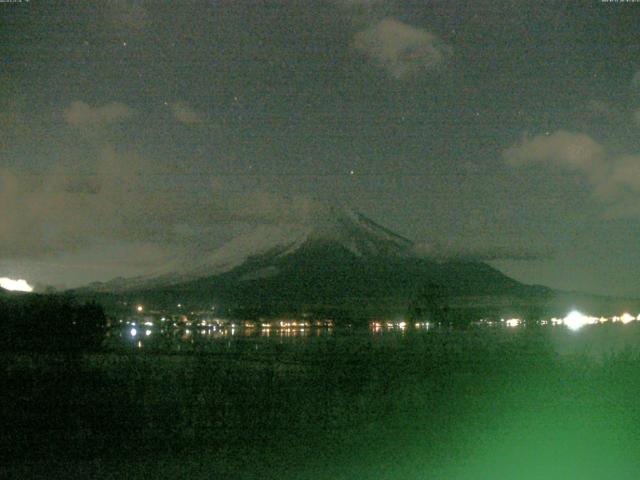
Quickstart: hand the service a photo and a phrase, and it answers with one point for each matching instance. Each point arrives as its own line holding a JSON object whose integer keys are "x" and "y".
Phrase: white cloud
{"x": 625, "y": 174}
{"x": 184, "y": 113}
{"x": 401, "y": 49}
{"x": 117, "y": 197}
{"x": 120, "y": 197}
{"x": 615, "y": 178}
{"x": 256, "y": 206}
{"x": 575, "y": 151}
{"x": 82, "y": 115}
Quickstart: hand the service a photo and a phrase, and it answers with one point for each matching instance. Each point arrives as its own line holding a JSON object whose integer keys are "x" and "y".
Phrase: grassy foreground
{"x": 473, "y": 404}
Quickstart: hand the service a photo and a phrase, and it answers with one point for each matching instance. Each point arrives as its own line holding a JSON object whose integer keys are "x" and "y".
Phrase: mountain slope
{"x": 343, "y": 261}
{"x": 341, "y": 227}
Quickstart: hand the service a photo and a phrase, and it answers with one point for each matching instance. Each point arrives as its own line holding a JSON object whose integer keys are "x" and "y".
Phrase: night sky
{"x": 501, "y": 131}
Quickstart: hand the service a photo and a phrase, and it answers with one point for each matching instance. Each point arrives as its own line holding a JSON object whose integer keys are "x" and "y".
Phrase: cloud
{"x": 184, "y": 113}
{"x": 120, "y": 196}
{"x": 615, "y": 178}
{"x": 82, "y": 115}
{"x": 40, "y": 217}
{"x": 440, "y": 252}
{"x": 575, "y": 151}
{"x": 117, "y": 196}
{"x": 255, "y": 206}
{"x": 624, "y": 174}
{"x": 401, "y": 49}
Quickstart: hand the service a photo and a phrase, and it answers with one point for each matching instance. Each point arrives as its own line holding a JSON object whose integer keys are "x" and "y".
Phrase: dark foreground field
{"x": 486, "y": 404}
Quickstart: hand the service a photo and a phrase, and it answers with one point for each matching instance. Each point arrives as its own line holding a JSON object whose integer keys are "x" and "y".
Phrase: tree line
{"x": 38, "y": 322}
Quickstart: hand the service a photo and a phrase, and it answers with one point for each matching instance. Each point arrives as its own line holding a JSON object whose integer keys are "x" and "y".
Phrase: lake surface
{"x": 330, "y": 403}
{"x": 595, "y": 341}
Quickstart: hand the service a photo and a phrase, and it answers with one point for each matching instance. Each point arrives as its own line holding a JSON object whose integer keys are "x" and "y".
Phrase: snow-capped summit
{"x": 330, "y": 225}
{"x": 340, "y": 227}
{"x": 336, "y": 259}
{"x": 359, "y": 234}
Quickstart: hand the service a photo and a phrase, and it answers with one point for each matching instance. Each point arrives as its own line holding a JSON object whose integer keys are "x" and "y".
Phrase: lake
{"x": 485, "y": 402}
{"x": 594, "y": 340}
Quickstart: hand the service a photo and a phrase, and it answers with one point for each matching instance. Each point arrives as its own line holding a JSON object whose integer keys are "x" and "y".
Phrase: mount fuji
{"x": 341, "y": 262}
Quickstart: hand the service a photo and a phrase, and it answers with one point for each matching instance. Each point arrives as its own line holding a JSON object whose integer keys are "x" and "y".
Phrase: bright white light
{"x": 147, "y": 332}
{"x": 576, "y": 320}
{"x": 133, "y": 332}
{"x": 626, "y": 318}
{"x": 513, "y": 322}
{"x": 15, "y": 285}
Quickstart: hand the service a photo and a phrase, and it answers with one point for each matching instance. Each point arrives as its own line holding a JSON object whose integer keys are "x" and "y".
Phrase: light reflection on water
{"x": 214, "y": 328}
{"x": 591, "y": 338}
{"x": 272, "y": 331}
{"x": 215, "y": 337}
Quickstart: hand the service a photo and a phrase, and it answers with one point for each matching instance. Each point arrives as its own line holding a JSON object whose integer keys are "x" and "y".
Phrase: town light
{"x": 575, "y": 320}
{"x": 626, "y": 318}
{"x": 513, "y": 322}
